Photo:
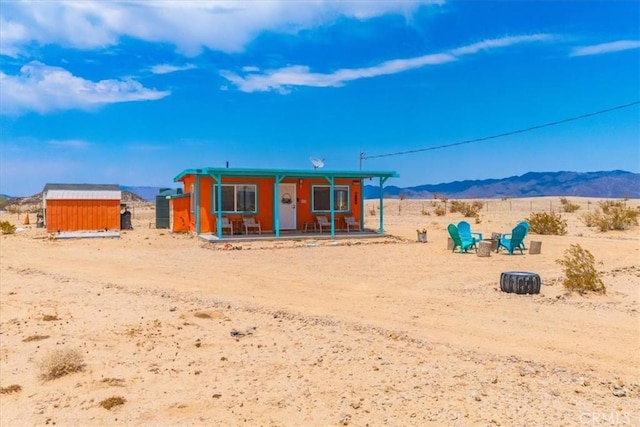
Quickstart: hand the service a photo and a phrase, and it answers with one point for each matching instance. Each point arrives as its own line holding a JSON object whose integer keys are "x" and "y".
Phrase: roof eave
{"x": 294, "y": 173}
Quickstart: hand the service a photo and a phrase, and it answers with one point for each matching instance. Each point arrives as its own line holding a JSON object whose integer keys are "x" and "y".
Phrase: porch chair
{"x": 323, "y": 222}
{"x": 459, "y": 242}
{"x": 226, "y": 224}
{"x": 251, "y": 223}
{"x": 350, "y": 221}
{"x": 513, "y": 240}
{"x": 464, "y": 228}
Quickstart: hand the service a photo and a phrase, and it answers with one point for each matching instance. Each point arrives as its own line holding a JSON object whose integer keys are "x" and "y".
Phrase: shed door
{"x": 287, "y": 206}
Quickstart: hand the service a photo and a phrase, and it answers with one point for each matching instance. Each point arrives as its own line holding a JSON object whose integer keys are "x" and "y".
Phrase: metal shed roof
{"x": 82, "y": 195}
{"x": 82, "y": 192}
{"x": 82, "y": 187}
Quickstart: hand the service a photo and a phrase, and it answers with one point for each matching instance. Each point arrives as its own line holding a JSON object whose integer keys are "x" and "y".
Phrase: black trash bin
{"x": 125, "y": 220}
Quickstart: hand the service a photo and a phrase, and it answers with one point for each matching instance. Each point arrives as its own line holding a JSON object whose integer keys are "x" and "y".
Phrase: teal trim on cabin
{"x": 291, "y": 173}
{"x": 197, "y": 204}
{"x": 278, "y": 175}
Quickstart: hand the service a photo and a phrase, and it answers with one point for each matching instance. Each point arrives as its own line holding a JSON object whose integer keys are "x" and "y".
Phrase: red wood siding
{"x": 83, "y": 215}
{"x": 180, "y": 214}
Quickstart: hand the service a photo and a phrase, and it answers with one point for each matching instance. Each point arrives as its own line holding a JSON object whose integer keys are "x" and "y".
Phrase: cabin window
{"x": 236, "y": 198}
{"x": 321, "y": 198}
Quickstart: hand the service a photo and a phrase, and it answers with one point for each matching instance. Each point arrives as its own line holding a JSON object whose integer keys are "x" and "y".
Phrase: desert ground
{"x": 173, "y": 330}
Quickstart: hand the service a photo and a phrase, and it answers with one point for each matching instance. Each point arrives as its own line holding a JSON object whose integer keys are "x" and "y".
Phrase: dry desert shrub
{"x": 547, "y": 223}
{"x": 567, "y": 206}
{"x": 468, "y": 210}
{"x": 13, "y": 388}
{"x": 112, "y": 402}
{"x": 49, "y": 317}
{"x": 580, "y": 271}
{"x": 61, "y": 362}
{"x": 7, "y": 228}
{"x": 613, "y": 215}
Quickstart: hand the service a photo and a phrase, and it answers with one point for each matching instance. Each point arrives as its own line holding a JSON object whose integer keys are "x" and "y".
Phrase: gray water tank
{"x": 162, "y": 206}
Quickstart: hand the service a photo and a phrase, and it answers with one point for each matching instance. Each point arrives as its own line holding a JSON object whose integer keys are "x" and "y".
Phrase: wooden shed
{"x": 81, "y": 207}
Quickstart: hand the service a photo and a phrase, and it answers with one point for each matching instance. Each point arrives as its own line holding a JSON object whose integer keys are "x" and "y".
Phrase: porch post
{"x": 218, "y": 179}
{"x": 197, "y": 202}
{"x": 276, "y": 204}
{"x": 382, "y": 181}
{"x": 361, "y": 205}
{"x": 332, "y": 204}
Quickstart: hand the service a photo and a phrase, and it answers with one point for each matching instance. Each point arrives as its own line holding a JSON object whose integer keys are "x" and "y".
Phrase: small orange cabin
{"x": 81, "y": 207}
{"x": 280, "y": 200}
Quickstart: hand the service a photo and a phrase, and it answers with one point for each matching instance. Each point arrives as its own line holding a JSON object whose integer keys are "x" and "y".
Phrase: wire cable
{"x": 501, "y": 135}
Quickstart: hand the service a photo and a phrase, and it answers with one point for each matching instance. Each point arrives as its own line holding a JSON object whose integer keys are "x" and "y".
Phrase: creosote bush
{"x": 547, "y": 223}
{"x": 440, "y": 211}
{"x": 567, "y": 206}
{"x": 61, "y": 362}
{"x": 7, "y": 228}
{"x": 112, "y": 402}
{"x": 613, "y": 215}
{"x": 580, "y": 271}
{"x": 468, "y": 210}
{"x": 13, "y": 388}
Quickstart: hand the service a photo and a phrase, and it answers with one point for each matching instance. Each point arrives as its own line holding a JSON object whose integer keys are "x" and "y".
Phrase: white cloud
{"x": 69, "y": 143}
{"x": 189, "y": 25}
{"x": 168, "y": 68}
{"x": 281, "y": 80}
{"x": 43, "y": 88}
{"x": 601, "y": 48}
{"x": 500, "y": 42}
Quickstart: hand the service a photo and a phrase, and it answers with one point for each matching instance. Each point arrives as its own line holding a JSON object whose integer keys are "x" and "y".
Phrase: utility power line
{"x": 501, "y": 135}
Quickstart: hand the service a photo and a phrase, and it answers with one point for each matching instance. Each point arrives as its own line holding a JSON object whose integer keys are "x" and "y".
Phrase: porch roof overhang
{"x": 293, "y": 173}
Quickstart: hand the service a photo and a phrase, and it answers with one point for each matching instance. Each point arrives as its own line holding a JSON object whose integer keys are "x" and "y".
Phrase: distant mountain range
{"x": 614, "y": 184}
{"x": 147, "y": 193}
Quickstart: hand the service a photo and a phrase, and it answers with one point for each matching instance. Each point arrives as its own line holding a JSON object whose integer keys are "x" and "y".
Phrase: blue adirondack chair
{"x": 464, "y": 228}
{"x": 525, "y": 224}
{"x": 459, "y": 242}
{"x": 513, "y": 240}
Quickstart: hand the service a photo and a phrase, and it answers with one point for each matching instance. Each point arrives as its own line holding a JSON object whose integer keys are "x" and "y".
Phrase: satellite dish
{"x": 317, "y": 163}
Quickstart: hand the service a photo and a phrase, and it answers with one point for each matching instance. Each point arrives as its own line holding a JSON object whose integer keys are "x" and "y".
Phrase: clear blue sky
{"x": 134, "y": 92}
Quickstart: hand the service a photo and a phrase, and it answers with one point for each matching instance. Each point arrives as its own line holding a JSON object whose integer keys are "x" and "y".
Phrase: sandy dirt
{"x": 361, "y": 332}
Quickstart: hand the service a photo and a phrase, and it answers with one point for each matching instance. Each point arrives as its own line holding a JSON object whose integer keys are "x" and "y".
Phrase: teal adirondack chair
{"x": 514, "y": 240}
{"x": 525, "y": 224}
{"x": 464, "y": 228}
{"x": 459, "y": 242}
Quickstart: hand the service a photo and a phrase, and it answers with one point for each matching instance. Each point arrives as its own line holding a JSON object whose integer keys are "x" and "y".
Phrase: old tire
{"x": 520, "y": 282}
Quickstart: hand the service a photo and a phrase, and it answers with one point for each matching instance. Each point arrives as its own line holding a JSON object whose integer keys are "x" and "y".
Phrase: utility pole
{"x": 362, "y": 157}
